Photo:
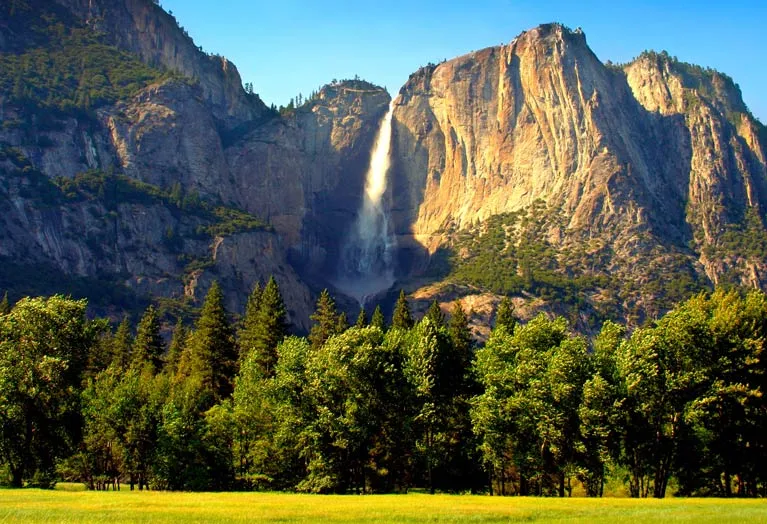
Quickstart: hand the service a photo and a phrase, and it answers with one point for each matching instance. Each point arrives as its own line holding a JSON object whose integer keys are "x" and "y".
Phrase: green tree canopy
{"x": 44, "y": 348}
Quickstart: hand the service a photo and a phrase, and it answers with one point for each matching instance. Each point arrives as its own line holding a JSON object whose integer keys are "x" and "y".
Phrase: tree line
{"x": 380, "y": 407}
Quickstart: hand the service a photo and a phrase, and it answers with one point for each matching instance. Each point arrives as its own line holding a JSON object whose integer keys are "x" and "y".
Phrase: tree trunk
{"x": 17, "y": 477}
{"x": 490, "y": 474}
{"x": 602, "y": 482}
{"x": 561, "y": 485}
{"x": 524, "y": 488}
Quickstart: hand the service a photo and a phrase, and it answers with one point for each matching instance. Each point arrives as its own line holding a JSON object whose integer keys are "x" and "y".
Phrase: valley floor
{"x": 32, "y": 506}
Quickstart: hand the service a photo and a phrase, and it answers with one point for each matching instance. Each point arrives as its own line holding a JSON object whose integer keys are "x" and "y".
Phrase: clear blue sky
{"x": 289, "y": 46}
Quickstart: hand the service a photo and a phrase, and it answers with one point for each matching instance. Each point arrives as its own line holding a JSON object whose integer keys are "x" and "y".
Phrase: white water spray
{"x": 366, "y": 259}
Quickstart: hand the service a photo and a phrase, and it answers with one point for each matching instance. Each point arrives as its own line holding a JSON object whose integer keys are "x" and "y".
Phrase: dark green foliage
{"x": 326, "y": 320}
{"x": 401, "y": 318}
{"x": 65, "y": 66}
{"x": 100, "y": 356}
{"x": 435, "y": 314}
{"x": 176, "y": 348}
{"x": 212, "y": 350}
{"x": 678, "y": 401}
{"x": 34, "y": 279}
{"x": 527, "y": 419}
{"x": 122, "y": 345}
{"x": 342, "y": 323}
{"x": 269, "y": 327}
{"x": 44, "y": 349}
{"x": 115, "y": 189}
{"x": 5, "y": 306}
{"x": 442, "y": 428}
{"x": 351, "y": 383}
{"x": 504, "y": 315}
{"x": 362, "y": 319}
{"x": 378, "y": 320}
{"x": 747, "y": 238}
{"x": 460, "y": 337}
{"x": 246, "y": 335}
{"x": 511, "y": 254}
{"x": 148, "y": 346}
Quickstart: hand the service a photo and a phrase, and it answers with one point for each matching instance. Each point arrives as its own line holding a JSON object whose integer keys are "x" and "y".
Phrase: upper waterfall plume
{"x": 366, "y": 259}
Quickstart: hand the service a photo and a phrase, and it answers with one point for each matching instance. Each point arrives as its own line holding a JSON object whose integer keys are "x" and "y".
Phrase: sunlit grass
{"x": 79, "y": 506}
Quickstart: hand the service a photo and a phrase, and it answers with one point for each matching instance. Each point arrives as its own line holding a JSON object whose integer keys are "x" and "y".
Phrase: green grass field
{"x": 63, "y": 506}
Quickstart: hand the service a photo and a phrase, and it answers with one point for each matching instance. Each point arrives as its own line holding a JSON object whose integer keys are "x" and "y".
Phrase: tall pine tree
{"x": 460, "y": 336}
{"x": 5, "y": 306}
{"x": 378, "y": 320}
{"x": 269, "y": 328}
{"x": 122, "y": 344}
{"x": 213, "y": 354}
{"x": 176, "y": 348}
{"x": 362, "y": 319}
{"x": 402, "y": 318}
{"x": 246, "y": 335}
{"x": 504, "y": 315}
{"x": 435, "y": 314}
{"x": 148, "y": 347}
{"x": 326, "y": 320}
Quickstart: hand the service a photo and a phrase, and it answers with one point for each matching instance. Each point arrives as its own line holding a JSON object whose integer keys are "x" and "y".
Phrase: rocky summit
{"x": 134, "y": 167}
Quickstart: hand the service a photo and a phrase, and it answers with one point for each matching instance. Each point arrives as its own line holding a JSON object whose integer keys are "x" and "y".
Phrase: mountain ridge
{"x": 489, "y": 133}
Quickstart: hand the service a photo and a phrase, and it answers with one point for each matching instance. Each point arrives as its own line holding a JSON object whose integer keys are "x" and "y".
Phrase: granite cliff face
{"x": 304, "y": 172}
{"x": 655, "y": 159}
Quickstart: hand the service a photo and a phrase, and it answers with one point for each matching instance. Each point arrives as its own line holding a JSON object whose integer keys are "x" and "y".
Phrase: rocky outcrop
{"x": 142, "y": 244}
{"x": 167, "y": 135}
{"x": 727, "y": 174}
{"x": 143, "y": 28}
{"x": 622, "y": 153}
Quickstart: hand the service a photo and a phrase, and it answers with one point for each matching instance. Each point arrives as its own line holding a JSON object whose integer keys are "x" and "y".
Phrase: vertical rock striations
{"x": 638, "y": 156}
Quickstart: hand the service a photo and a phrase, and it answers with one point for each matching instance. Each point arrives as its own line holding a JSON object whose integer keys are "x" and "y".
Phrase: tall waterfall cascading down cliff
{"x": 366, "y": 266}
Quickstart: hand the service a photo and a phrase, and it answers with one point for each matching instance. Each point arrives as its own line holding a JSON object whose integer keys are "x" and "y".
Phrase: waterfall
{"x": 367, "y": 256}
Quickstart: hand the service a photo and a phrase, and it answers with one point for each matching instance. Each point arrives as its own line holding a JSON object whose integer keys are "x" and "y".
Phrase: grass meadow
{"x": 68, "y": 505}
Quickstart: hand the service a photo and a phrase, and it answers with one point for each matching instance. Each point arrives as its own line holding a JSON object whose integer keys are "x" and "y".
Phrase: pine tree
{"x": 435, "y": 315}
{"x": 460, "y": 336}
{"x": 148, "y": 346}
{"x": 122, "y": 344}
{"x": 362, "y": 319}
{"x": 325, "y": 319}
{"x": 246, "y": 336}
{"x": 5, "y": 306}
{"x": 402, "y": 318}
{"x": 342, "y": 324}
{"x": 270, "y": 327}
{"x": 176, "y": 348}
{"x": 378, "y": 320}
{"x": 213, "y": 354}
{"x": 504, "y": 316}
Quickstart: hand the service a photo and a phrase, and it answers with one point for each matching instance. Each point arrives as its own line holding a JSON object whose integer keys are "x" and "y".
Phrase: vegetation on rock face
{"x": 55, "y": 63}
{"x": 109, "y": 195}
{"x": 516, "y": 253}
{"x": 537, "y": 410}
